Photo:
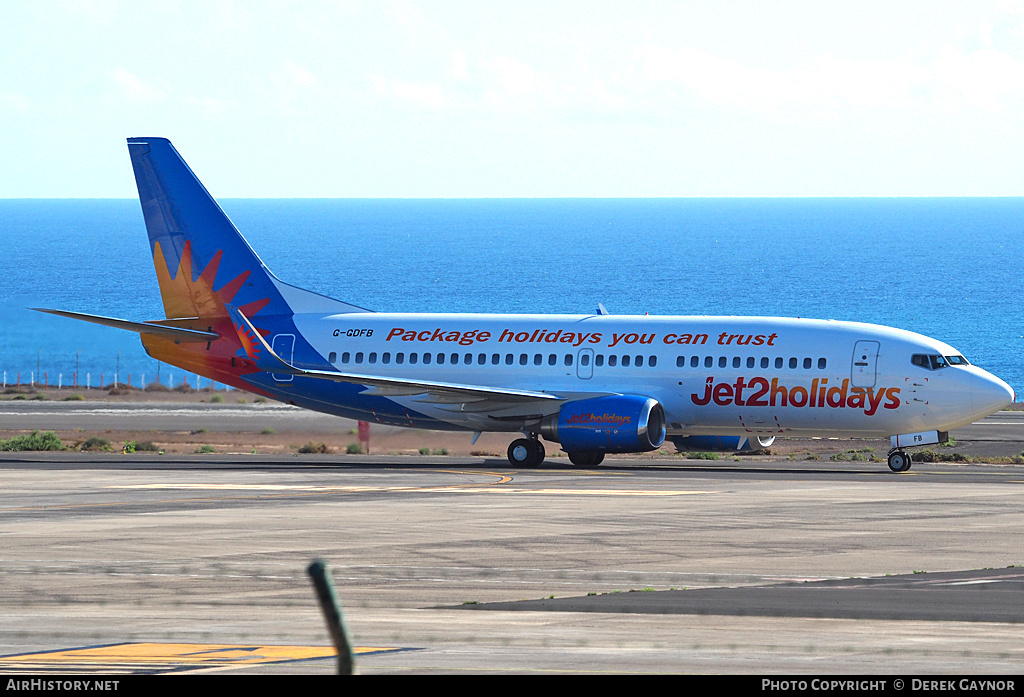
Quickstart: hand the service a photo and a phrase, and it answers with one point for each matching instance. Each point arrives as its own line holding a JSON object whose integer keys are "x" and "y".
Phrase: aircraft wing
{"x": 260, "y": 352}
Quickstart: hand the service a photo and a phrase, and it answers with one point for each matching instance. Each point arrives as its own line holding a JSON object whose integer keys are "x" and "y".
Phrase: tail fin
{"x": 202, "y": 262}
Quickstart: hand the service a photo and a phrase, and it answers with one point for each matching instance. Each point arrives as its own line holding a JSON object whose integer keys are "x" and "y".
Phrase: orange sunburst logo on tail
{"x": 249, "y": 342}
{"x": 198, "y": 304}
{"x": 185, "y": 297}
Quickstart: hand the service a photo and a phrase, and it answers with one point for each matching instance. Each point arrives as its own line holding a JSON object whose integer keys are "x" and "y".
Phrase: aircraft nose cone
{"x": 989, "y": 394}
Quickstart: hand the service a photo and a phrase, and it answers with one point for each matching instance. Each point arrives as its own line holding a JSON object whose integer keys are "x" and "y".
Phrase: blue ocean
{"x": 946, "y": 267}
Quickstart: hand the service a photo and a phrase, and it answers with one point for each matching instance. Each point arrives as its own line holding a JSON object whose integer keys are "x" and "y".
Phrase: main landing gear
{"x": 529, "y": 452}
{"x": 586, "y": 458}
{"x": 526, "y": 452}
{"x": 899, "y": 460}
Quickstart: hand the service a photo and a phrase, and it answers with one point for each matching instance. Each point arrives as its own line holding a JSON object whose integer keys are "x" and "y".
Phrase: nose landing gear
{"x": 899, "y": 460}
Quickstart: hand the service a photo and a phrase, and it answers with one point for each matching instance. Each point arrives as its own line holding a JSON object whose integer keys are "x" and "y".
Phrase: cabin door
{"x": 284, "y": 346}
{"x": 864, "y": 371}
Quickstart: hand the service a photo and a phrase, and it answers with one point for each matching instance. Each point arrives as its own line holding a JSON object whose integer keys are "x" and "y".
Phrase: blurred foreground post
{"x": 364, "y": 436}
{"x": 323, "y": 582}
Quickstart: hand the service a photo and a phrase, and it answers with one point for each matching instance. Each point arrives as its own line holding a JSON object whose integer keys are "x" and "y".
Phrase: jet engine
{"x": 614, "y": 424}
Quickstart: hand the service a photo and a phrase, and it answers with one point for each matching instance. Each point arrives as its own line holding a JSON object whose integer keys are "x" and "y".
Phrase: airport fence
{"x": 168, "y": 380}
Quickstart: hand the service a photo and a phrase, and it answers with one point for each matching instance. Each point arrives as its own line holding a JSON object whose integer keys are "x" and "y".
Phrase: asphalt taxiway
{"x": 152, "y": 563}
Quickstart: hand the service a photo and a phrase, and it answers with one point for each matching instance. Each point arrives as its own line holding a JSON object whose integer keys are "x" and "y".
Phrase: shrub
{"x": 217, "y": 399}
{"x": 314, "y": 448}
{"x": 74, "y": 398}
{"x": 47, "y": 440}
{"x": 146, "y": 446}
{"x": 96, "y": 443}
{"x": 928, "y": 455}
{"x": 354, "y": 449}
{"x": 203, "y": 449}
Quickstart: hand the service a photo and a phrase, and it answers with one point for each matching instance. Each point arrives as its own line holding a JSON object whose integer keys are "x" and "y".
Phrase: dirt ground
{"x": 392, "y": 440}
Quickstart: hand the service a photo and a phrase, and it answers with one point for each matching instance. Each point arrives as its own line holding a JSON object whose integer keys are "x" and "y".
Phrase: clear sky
{"x": 397, "y": 98}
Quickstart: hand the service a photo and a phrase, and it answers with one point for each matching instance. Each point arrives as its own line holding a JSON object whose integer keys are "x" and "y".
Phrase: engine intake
{"x": 616, "y": 424}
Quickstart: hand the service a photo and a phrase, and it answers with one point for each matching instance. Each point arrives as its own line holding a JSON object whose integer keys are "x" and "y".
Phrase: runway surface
{"x": 152, "y": 563}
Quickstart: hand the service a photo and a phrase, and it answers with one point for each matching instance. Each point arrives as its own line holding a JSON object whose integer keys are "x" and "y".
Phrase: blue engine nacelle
{"x": 616, "y": 424}
{"x": 684, "y": 443}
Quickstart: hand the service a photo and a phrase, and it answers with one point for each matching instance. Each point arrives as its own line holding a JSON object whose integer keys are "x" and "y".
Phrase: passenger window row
{"x": 451, "y": 359}
{"x": 550, "y": 359}
{"x": 750, "y": 362}
{"x": 625, "y": 361}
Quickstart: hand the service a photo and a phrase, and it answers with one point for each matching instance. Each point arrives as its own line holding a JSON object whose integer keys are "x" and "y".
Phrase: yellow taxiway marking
{"x": 461, "y": 488}
{"x": 253, "y": 487}
{"x": 584, "y": 492}
{"x": 173, "y": 655}
{"x": 313, "y": 488}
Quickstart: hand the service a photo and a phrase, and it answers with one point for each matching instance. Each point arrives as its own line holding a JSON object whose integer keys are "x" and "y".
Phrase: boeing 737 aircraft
{"x": 593, "y": 383}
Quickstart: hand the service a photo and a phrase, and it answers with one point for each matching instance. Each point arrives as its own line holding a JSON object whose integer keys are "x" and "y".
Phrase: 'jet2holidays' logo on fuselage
{"x": 759, "y": 392}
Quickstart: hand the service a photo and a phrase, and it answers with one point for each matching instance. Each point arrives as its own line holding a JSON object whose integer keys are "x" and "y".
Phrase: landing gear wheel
{"x": 525, "y": 452}
{"x": 899, "y": 461}
{"x": 586, "y": 458}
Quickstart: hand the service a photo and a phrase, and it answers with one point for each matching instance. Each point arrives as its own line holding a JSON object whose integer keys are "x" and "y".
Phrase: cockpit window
{"x": 928, "y": 361}
{"x": 957, "y": 360}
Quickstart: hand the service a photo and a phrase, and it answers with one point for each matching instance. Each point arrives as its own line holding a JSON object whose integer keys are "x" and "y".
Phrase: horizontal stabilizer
{"x": 176, "y": 333}
{"x": 260, "y": 353}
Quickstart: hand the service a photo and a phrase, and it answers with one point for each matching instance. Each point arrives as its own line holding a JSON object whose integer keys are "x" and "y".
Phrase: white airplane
{"x": 593, "y": 383}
